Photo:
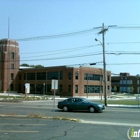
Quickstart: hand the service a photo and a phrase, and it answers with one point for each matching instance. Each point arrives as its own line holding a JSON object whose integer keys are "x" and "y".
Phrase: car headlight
{"x": 100, "y": 105}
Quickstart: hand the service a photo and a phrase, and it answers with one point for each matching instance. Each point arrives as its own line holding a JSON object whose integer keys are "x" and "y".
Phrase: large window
{"x": 126, "y": 82}
{"x": 41, "y": 76}
{"x": 55, "y": 75}
{"x": 30, "y": 76}
{"x": 93, "y": 77}
{"x": 92, "y": 89}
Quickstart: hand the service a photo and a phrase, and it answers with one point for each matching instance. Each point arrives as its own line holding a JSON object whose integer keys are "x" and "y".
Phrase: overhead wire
{"x": 59, "y": 35}
{"x": 63, "y": 51}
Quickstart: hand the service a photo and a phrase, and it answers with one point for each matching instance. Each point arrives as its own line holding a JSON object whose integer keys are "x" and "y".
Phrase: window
{"x": 25, "y": 76}
{"x": 93, "y": 77}
{"x": 12, "y": 55}
{"x": 76, "y": 75}
{"x": 60, "y": 89}
{"x": 69, "y": 76}
{"x": 41, "y": 76}
{"x": 69, "y": 88}
{"x": 92, "y": 89}
{"x": 76, "y": 88}
{"x": 11, "y": 87}
{"x": 12, "y": 66}
{"x": 30, "y": 76}
{"x": 108, "y": 78}
{"x": 55, "y": 75}
{"x": 19, "y": 77}
{"x": 48, "y": 88}
{"x": 12, "y": 76}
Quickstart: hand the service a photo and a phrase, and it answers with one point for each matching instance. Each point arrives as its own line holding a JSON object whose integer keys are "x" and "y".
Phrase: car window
{"x": 69, "y": 100}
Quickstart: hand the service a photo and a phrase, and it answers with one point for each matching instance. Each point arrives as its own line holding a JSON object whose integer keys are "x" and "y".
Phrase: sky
{"x": 63, "y": 32}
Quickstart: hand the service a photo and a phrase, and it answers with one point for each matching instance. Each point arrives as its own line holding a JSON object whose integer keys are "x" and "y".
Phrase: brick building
{"x": 125, "y": 83}
{"x": 72, "y": 81}
{"x": 9, "y": 64}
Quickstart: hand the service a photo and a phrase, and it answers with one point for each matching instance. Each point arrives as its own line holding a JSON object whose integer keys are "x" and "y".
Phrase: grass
{"x": 120, "y": 101}
{"x": 22, "y": 98}
{"x": 35, "y": 115}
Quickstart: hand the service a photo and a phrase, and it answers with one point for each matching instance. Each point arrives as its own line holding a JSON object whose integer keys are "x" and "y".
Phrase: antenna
{"x": 8, "y": 27}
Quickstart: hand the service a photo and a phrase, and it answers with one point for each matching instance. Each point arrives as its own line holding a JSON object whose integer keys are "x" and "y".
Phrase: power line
{"x": 123, "y": 43}
{"x": 58, "y": 35}
{"x": 61, "y": 51}
{"x": 76, "y": 56}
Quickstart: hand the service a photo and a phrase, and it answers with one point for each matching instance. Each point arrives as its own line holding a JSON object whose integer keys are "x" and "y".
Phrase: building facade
{"x": 83, "y": 81}
{"x": 9, "y": 64}
{"x": 72, "y": 81}
{"x": 125, "y": 83}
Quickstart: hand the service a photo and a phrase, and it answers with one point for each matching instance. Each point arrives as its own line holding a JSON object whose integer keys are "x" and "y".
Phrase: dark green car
{"x": 71, "y": 104}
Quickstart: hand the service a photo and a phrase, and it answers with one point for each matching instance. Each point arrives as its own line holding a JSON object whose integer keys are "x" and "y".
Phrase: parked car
{"x": 71, "y": 104}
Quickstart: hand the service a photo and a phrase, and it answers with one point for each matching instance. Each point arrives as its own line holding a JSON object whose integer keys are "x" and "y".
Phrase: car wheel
{"x": 91, "y": 109}
{"x": 65, "y": 108}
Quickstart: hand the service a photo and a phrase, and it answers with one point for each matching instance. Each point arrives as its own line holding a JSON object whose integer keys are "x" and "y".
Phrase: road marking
{"x": 110, "y": 123}
{"x": 15, "y": 131}
{"x": 23, "y": 124}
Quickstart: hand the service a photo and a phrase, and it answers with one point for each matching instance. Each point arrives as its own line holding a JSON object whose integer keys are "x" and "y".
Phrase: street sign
{"x": 54, "y": 84}
{"x": 27, "y": 88}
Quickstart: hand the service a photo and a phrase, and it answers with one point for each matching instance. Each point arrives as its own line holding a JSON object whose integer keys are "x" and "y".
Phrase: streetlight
{"x": 104, "y": 67}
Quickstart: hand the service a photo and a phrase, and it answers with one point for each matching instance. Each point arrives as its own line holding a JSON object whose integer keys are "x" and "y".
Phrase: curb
{"x": 41, "y": 117}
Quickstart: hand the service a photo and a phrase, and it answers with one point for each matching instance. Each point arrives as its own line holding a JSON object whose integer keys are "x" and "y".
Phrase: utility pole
{"x": 104, "y": 63}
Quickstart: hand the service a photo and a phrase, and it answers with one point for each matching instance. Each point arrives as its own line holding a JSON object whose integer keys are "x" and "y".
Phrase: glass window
{"x": 92, "y": 89}
{"x": 30, "y": 76}
{"x": 25, "y": 76}
{"x": 48, "y": 88}
{"x": 69, "y": 76}
{"x": 41, "y": 76}
{"x": 76, "y": 88}
{"x": 12, "y": 76}
{"x": 55, "y": 75}
{"x": 12, "y": 66}
{"x": 93, "y": 77}
{"x": 60, "y": 89}
{"x": 69, "y": 88}
{"x": 19, "y": 77}
{"x": 108, "y": 78}
{"x": 11, "y": 87}
{"x": 76, "y": 75}
{"x": 12, "y": 55}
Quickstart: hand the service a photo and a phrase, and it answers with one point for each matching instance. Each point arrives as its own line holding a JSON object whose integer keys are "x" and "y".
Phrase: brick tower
{"x": 9, "y": 65}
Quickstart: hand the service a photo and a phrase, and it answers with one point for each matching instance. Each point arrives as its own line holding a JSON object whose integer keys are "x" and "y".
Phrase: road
{"x": 113, "y": 123}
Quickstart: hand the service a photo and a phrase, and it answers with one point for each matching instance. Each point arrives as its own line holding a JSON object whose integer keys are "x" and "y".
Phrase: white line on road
{"x": 110, "y": 123}
{"x": 15, "y": 131}
{"x": 23, "y": 124}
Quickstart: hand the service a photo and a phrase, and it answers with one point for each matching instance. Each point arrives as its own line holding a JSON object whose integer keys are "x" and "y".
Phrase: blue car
{"x": 77, "y": 103}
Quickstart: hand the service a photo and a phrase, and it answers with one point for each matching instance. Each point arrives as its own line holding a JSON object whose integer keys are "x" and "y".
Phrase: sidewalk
{"x": 51, "y": 97}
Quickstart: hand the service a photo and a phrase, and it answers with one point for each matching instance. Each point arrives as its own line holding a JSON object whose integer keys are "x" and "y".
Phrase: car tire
{"x": 65, "y": 108}
{"x": 91, "y": 109}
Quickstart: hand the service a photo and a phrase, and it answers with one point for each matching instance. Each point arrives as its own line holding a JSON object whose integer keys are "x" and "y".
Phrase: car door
{"x": 72, "y": 104}
{"x": 81, "y": 105}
